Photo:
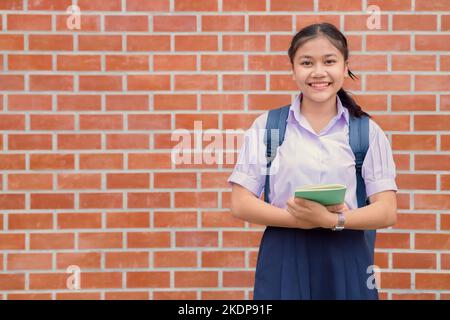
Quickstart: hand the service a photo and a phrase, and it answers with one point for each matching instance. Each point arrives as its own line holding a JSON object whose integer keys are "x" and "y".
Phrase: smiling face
{"x": 319, "y": 69}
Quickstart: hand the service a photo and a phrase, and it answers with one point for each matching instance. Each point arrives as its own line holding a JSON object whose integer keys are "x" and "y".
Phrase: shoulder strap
{"x": 359, "y": 142}
{"x": 273, "y": 138}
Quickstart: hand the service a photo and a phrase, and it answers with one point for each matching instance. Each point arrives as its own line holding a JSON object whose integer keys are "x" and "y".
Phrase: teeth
{"x": 320, "y": 85}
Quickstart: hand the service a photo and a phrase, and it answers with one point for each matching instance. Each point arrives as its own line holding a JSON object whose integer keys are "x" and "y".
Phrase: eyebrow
{"x": 326, "y": 55}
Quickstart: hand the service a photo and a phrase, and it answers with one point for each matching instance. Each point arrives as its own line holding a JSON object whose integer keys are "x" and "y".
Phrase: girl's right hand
{"x": 338, "y": 208}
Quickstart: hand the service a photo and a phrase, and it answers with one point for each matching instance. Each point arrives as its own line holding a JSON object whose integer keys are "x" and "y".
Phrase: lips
{"x": 319, "y": 85}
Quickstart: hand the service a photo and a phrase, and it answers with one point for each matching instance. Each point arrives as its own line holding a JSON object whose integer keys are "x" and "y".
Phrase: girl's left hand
{"x": 311, "y": 212}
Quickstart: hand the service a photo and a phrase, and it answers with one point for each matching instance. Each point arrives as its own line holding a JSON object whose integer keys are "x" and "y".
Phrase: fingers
{"x": 337, "y": 207}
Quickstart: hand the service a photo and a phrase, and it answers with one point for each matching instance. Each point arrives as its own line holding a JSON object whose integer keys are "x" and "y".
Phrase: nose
{"x": 318, "y": 70}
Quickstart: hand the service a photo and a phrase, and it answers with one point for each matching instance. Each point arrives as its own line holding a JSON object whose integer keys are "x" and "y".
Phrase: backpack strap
{"x": 359, "y": 142}
{"x": 273, "y": 138}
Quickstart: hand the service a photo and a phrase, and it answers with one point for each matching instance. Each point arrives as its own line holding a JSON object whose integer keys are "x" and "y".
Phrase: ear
{"x": 346, "y": 69}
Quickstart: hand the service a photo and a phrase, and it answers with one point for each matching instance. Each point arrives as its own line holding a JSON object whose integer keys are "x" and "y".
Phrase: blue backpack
{"x": 359, "y": 142}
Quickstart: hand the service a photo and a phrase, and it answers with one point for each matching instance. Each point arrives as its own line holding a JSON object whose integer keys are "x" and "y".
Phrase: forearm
{"x": 373, "y": 216}
{"x": 254, "y": 210}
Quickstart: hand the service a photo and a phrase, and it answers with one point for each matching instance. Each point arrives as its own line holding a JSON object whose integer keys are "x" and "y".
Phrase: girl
{"x": 301, "y": 255}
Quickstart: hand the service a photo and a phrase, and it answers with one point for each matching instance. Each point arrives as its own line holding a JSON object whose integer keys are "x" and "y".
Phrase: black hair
{"x": 340, "y": 42}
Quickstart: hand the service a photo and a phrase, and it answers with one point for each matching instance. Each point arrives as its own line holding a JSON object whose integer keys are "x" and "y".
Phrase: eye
{"x": 304, "y": 63}
{"x": 330, "y": 61}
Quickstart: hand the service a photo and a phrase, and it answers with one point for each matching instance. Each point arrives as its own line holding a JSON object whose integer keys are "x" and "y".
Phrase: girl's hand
{"x": 310, "y": 213}
{"x": 338, "y": 208}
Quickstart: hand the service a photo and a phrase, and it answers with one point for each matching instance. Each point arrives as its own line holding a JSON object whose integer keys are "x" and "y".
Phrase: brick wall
{"x": 85, "y": 137}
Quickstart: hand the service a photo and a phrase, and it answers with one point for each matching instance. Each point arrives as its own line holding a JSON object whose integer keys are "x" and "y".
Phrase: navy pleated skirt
{"x": 318, "y": 264}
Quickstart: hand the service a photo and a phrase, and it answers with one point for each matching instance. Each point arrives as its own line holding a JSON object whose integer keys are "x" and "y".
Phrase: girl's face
{"x": 319, "y": 69}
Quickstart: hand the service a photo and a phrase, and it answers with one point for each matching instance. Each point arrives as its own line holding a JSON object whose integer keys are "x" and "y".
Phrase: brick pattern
{"x": 86, "y": 176}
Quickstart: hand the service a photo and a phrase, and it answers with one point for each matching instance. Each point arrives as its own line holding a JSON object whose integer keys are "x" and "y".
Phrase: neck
{"x": 318, "y": 110}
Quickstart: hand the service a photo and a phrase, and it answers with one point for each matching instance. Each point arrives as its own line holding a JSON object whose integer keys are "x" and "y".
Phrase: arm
{"x": 380, "y": 213}
{"x": 246, "y": 206}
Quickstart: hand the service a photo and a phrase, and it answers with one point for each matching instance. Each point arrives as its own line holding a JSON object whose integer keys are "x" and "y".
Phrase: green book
{"x": 325, "y": 194}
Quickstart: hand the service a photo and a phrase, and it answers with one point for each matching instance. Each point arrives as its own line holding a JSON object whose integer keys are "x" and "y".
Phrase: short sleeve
{"x": 250, "y": 167}
{"x": 378, "y": 169}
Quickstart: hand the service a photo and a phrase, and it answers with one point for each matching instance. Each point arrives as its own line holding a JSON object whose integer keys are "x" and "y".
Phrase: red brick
{"x": 29, "y": 102}
{"x": 29, "y": 261}
{"x": 11, "y": 5}
{"x": 152, "y": 5}
{"x": 203, "y": 42}
{"x": 78, "y": 102}
{"x": 98, "y": 5}
{"x": 51, "y": 83}
{"x": 127, "y": 220}
{"x": 12, "y": 82}
{"x": 175, "y": 259}
{"x": 149, "y": 279}
{"x": 241, "y": 238}
{"x": 18, "y": 221}
{"x": 79, "y": 220}
{"x": 100, "y": 240}
{"x": 148, "y": 82}
{"x": 101, "y": 122}
{"x": 88, "y": 260}
{"x": 148, "y": 239}
{"x": 52, "y": 201}
{"x": 236, "y": 5}
{"x": 47, "y": 241}
{"x": 149, "y": 161}
{"x": 270, "y": 23}
{"x": 12, "y": 122}
{"x": 196, "y": 239}
{"x": 148, "y": 200}
{"x": 175, "y": 179}
{"x": 11, "y": 42}
{"x": 175, "y": 295}
{"x": 79, "y": 141}
{"x": 100, "y": 42}
{"x": 126, "y": 259}
{"x": 220, "y": 219}
{"x": 223, "y": 23}
{"x": 432, "y": 241}
{"x": 48, "y": 5}
{"x": 174, "y": 62}
{"x": 414, "y": 261}
{"x": 12, "y": 281}
{"x": 12, "y": 241}
{"x": 127, "y": 295}
{"x": 29, "y": 22}
{"x": 244, "y": 43}
{"x": 196, "y": 199}
{"x": 29, "y": 62}
{"x": 238, "y": 278}
{"x": 101, "y": 200}
{"x": 51, "y": 161}
{"x": 57, "y": 42}
{"x": 149, "y": 122}
{"x": 223, "y": 259}
{"x": 126, "y": 23}
{"x": 148, "y": 42}
{"x": 79, "y": 181}
{"x": 433, "y": 281}
{"x": 127, "y": 102}
{"x": 127, "y": 62}
{"x": 100, "y": 83}
{"x": 52, "y": 122}
{"x": 175, "y": 219}
{"x": 174, "y": 23}
{"x": 193, "y": 279}
{"x": 101, "y": 161}
{"x": 127, "y": 141}
{"x": 200, "y": 5}
{"x": 79, "y": 62}
{"x": 29, "y": 142}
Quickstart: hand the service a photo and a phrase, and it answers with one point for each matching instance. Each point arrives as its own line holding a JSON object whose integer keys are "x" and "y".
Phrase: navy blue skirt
{"x": 318, "y": 264}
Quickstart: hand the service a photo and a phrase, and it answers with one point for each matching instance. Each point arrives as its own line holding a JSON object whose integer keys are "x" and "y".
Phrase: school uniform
{"x": 316, "y": 263}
